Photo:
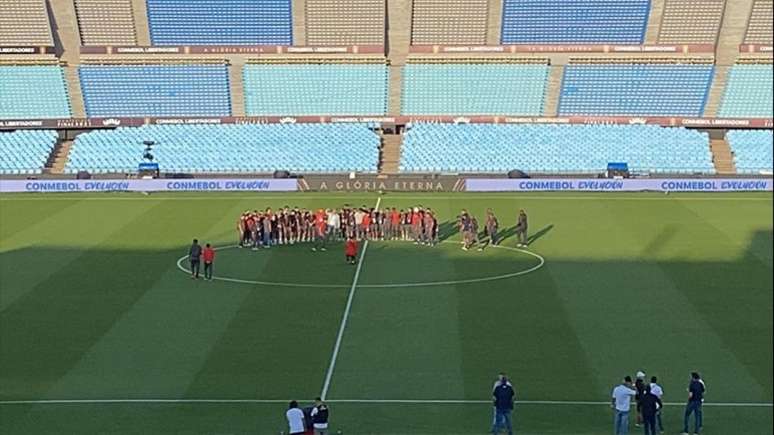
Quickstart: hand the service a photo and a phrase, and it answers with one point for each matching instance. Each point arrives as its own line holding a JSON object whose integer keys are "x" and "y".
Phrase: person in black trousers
{"x": 649, "y": 406}
{"x": 195, "y": 254}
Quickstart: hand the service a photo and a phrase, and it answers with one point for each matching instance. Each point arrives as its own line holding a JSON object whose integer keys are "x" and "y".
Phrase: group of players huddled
{"x": 287, "y": 226}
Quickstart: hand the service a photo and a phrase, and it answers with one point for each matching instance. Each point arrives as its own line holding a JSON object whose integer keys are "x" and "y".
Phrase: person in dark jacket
{"x": 320, "y": 415}
{"x": 696, "y": 391}
{"x": 195, "y": 254}
{"x": 503, "y": 395}
{"x": 649, "y": 406}
{"x": 521, "y": 229}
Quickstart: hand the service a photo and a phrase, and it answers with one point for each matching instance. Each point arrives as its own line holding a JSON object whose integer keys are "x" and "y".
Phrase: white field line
{"x": 541, "y": 262}
{"x": 358, "y": 401}
{"x": 345, "y": 317}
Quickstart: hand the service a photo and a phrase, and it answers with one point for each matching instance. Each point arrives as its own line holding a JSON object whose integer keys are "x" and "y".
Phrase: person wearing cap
{"x": 639, "y": 385}
{"x": 696, "y": 391}
{"x": 621, "y": 404}
{"x": 657, "y": 391}
{"x": 503, "y": 395}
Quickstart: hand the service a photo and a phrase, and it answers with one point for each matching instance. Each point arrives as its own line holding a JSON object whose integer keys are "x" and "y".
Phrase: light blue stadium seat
{"x": 230, "y": 148}
{"x": 574, "y": 21}
{"x": 553, "y": 149}
{"x": 220, "y": 22}
{"x": 752, "y": 150}
{"x": 315, "y": 89}
{"x": 748, "y": 92}
{"x": 635, "y": 89}
{"x": 155, "y": 90}
{"x": 25, "y": 152}
{"x": 37, "y": 91}
{"x": 474, "y": 89}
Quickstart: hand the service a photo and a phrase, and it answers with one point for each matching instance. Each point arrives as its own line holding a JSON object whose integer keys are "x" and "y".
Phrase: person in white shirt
{"x": 656, "y": 390}
{"x": 621, "y": 404}
{"x": 334, "y": 223}
{"x": 295, "y": 418}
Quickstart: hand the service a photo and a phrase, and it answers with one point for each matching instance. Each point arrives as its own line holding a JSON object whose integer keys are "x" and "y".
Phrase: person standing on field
{"x": 320, "y": 415}
{"x": 521, "y": 229}
{"x": 657, "y": 391}
{"x": 195, "y": 254}
{"x": 209, "y": 257}
{"x": 503, "y": 395}
{"x": 621, "y": 404}
{"x": 491, "y": 227}
{"x": 295, "y": 416}
{"x": 350, "y": 250}
{"x": 696, "y": 391}
{"x": 649, "y": 406}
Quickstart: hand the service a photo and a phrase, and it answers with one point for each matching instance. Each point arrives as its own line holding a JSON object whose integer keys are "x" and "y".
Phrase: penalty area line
{"x": 345, "y": 317}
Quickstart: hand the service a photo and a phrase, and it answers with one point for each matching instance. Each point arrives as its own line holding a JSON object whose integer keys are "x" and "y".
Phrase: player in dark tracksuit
{"x": 195, "y": 254}
{"x": 521, "y": 229}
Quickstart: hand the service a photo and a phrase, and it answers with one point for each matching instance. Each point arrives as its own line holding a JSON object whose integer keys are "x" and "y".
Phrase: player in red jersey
{"x": 416, "y": 225}
{"x": 366, "y": 224}
{"x": 320, "y": 224}
{"x": 350, "y": 250}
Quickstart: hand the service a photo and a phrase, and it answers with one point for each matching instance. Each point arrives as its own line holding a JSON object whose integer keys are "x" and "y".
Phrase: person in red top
{"x": 395, "y": 224}
{"x": 367, "y": 225}
{"x": 208, "y": 255}
{"x": 416, "y": 225}
{"x": 350, "y": 250}
{"x": 320, "y": 225}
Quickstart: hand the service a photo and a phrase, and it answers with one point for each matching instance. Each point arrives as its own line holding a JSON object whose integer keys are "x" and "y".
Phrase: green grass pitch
{"x": 94, "y": 307}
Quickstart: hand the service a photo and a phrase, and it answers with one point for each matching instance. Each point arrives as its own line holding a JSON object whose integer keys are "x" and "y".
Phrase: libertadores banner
{"x": 151, "y": 185}
{"x": 622, "y": 185}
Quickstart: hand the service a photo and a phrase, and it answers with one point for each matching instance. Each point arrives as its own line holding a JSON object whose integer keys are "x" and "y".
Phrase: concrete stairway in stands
{"x": 237, "y": 87}
{"x": 398, "y": 43}
{"x": 58, "y": 158}
{"x": 715, "y": 96}
{"x": 553, "y": 89}
{"x": 722, "y": 157}
{"x": 140, "y": 12}
{"x": 68, "y": 45}
{"x": 390, "y": 155}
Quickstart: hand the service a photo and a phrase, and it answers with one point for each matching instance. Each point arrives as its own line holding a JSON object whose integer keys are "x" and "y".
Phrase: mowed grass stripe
{"x": 176, "y": 321}
{"x": 74, "y": 306}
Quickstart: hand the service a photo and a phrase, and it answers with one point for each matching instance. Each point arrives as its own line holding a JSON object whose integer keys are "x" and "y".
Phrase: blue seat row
{"x": 220, "y": 22}
{"x": 36, "y": 91}
{"x": 752, "y": 150}
{"x": 574, "y": 21}
{"x": 635, "y": 89}
{"x": 315, "y": 89}
{"x": 474, "y": 89}
{"x": 748, "y": 92}
{"x": 553, "y": 149}
{"x": 230, "y": 148}
{"x": 25, "y": 152}
{"x": 155, "y": 90}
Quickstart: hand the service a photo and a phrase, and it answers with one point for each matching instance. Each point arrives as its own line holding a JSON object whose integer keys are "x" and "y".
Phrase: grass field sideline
{"x": 93, "y": 307}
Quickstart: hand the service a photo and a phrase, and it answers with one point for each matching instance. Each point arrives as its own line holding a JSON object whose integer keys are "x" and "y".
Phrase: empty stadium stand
{"x": 265, "y": 148}
{"x": 635, "y": 89}
{"x": 106, "y": 22}
{"x": 24, "y": 23}
{"x": 449, "y": 22}
{"x": 33, "y": 91}
{"x": 476, "y": 88}
{"x": 748, "y": 92}
{"x": 155, "y": 90}
{"x": 327, "y": 87}
{"x": 574, "y": 21}
{"x": 553, "y": 149}
{"x": 220, "y": 22}
{"x": 752, "y": 150}
{"x": 345, "y": 22}
{"x": 25, "y": 152}
{"x": 760, "y": 27}
{"x": 691, "y": 21}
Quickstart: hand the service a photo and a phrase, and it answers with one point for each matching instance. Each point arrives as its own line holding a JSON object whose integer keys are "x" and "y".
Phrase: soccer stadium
{"x": 353, "y": 217}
